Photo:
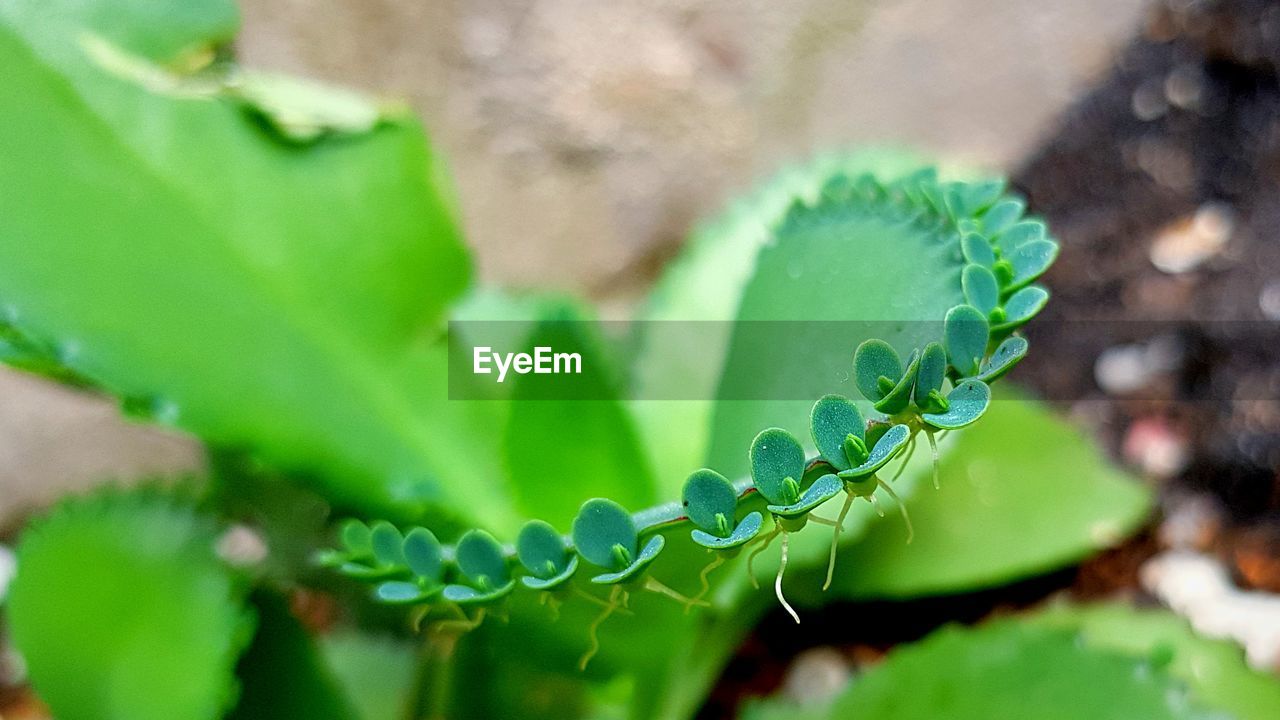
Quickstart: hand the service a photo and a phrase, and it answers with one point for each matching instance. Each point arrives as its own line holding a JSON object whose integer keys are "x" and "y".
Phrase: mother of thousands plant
{"x": 943, "y": 385}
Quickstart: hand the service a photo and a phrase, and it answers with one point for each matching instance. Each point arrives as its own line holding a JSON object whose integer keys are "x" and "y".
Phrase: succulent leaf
{"x": 875, "y": 359}
{"x": 965, "y": 332}
{"x": 777, "y": 466}
{"x": 833, "y": 419}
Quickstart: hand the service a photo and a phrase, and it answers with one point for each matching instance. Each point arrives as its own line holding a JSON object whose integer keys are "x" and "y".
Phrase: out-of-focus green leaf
{"x": 1214, "y": 670}
{"x": 838, "y": 273}
{"x": 375, "y": 672}
{"x": 169, "y": 245}
{"x": 1067, "y": 663}
{"x": 282, "y": 675}
{"x": 559, "y": 452}
{"x": 704, "y": 287}
{"x": 124, "y": 612}
{"x": 1023, "y": 492}
{"x": 1011, "y": 670}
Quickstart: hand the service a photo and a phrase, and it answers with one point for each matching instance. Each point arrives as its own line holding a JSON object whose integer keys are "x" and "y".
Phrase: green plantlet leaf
{"x": 551, "y": 583}
{"x": 833, "y": 419}
{"x": 966, "y": 403}
{"x": 361, "y": 571}
{"x": 965, "y": 334}
{"x": 601, "y": 526}
{"x": 482, "y": 563}
{"x": 930, "y": 376}
{"x": 1001, "y": 216}
{"x": 977, "y": 250}
{"x": 743, "y": 533}
{"x": 1021, "y": 307}
{"x": 122, "y": 610}
{"x": 541, "y": 550}
{"x": 893, "y": 440}
{"x": 710, "y": 502}
{"x": 422, "y": 553}
{"x": 822, "y": 490}
{"x": 481, "y": 560}
{"x": 971, "y": 198}
{"x": 356, "y": 539}
{"x": 387, "y": 544}
{"x": 899, "y": 397}
{"x": 400, "y": 592}
{"x": 1051, "y": 500}
{"x": 647, "y": 555}
{"x": 980, "y": 288}
{"x": 777, "y": 466}
{"x": 875, "y": 359}
{"x": 1029, "y": 261}
{"x": 1019, "y": 234}
{"x": 1010, "y": 353}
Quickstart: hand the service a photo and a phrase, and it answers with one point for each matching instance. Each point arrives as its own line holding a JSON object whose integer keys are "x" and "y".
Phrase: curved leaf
{"x": 123, "y": 611}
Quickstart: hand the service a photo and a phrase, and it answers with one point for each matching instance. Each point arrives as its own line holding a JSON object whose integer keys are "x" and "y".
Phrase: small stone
{"x": 1269, "y": 300}
{"x": 816, "y": 676}
{"x": 8, "y": 569}
{"x": 242, "y": 546}
{"x": 1199, "y": 588}
{"x": 1186, "y": 243}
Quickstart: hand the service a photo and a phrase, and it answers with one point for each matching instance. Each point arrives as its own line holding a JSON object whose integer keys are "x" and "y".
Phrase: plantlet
{"x": 942, "y": 386}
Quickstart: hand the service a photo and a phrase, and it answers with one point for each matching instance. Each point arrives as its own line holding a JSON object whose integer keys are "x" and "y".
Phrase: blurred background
{"x": 586, "y": 140}
{"x": 624, "y": 123}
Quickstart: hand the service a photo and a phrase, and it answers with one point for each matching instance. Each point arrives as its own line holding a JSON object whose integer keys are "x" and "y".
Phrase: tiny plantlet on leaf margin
{"x": 941, "y": 386}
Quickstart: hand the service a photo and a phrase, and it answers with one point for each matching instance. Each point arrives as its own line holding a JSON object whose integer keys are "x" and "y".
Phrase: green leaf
{"x": 980, "y": 288}
{"x": 710, "y": 502}
{"x": 1019, "y": 234}
{"x": 282, "y": 674}
{"x": 705, "y": 284}
{"x": 401, "y": 592}
{"x": 965, "y": 404}
{"x": 777, "y": 466}
{"x": 885, "y": 448}
{"x": 932, "y": 373}
{"x": 833, "y": 419}
{"x": 387, "y": 544}
{"x": 1011, "y": 670}
{"x": 541, "y": 550}
{"x": 268, "y": 295}
{"x": 1023, "y": 493}
{"x": 422, "y": 553}
{"x": 605, "y": 534}
{"x": 1001, "y": 216}
{"x": 357, "y": 538}
{"x": 742, "y": 533}
{"x": 873, "y": 360}
{"x": 1030, "y": 260}
{"x": 965, "y": 331}
{"x": 977, "y": 250}
{"x": 822, "y": 490}
{"x": 897, "y": 399}
{"x": 1021, "y": 307}
{"x": 480, "y": 558}
{"x": 647, "y": 555}
{"x": 123, "y": 611}
{"x": 1214, "y": 671}
{"x": 375, "y": 672}
{"x": 1010, "y": 353}
{"x": 570, "y": 437}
